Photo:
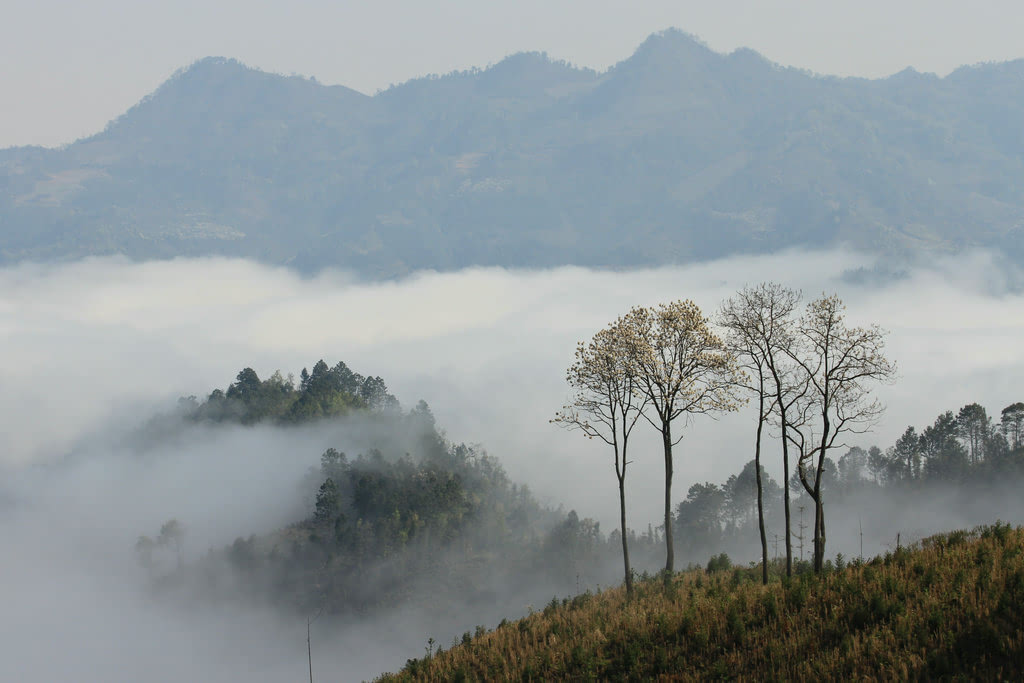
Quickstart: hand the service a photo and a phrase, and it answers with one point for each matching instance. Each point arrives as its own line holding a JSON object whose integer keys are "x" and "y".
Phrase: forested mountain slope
{"x": 676, "y": 154}
{"x": 411, "y": 520}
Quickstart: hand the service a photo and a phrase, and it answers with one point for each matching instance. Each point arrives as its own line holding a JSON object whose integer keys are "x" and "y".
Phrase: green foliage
{"x": 716, "y": 516}
{"x": 388, "y": 527}
{"x": 327, "y": 502}
{"x": 326, "y": 392}
{"x": 720, "y": 562}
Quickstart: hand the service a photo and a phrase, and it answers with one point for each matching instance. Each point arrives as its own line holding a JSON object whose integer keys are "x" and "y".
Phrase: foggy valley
{"x": 647, "y": 358}
{"x": 87, "y": 469}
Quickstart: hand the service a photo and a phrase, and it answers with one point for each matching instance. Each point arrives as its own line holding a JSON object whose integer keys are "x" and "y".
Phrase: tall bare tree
{"x": 839, "y": 363}
{"x": 682, "y": 368}
{"x": 606, "y": 405}
{"x": 760, "y": 321}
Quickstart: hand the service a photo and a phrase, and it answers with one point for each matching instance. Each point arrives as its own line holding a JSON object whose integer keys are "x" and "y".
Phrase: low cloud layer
{"x": 91, "y": 349}
{"x": 100, "y": 343}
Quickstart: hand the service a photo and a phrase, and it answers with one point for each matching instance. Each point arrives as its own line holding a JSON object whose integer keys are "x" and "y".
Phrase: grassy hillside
{"x": 951, "y": 605}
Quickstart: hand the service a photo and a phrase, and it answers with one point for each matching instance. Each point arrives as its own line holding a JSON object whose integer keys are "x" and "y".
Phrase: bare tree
{"x": 682, "y": 368}
{"x": 759, "y": 321}
{"x": 605, "y": 405}
{"x": 838, "y": 362}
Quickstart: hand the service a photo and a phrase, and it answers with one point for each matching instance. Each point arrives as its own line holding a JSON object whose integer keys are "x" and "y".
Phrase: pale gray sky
{"x": 67, "y": 67}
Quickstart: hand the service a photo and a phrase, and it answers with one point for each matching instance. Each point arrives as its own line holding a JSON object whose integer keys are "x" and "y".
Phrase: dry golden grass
{"x": 951, "y": 606}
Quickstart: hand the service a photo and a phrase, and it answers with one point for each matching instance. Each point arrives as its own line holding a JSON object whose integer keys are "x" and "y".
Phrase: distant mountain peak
{"x": 909, "y": 73}
{"x": 673, "y": 44}
{"x": 749, "y": 55}
{"x": 215, "y": 61}
{"x": 670, "y": 51}
{"x": 525, "y": 70}
{"x": 207, "y": 66}
{"x": 675, "y": 36}
{"x": 677, "y": 153}
{"x": 524, "y": 58}
{"x": 983, "y": 74}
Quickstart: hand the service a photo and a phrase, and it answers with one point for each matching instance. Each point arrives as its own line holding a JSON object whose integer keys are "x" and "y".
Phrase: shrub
{"x": 719, "y": 563}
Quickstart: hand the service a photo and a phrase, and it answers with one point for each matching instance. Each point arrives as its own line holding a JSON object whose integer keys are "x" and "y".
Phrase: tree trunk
{"x": 666, "y": 437}
{"x": 625, "y": 542}
{"x": 819, "y": 526}
{"x": 819, "y": 509}
{"x": 819, "y": 544}
{"x": 760, "y": 491}
{"x": 817, "y": 539}
{"x": 785, "y": 480}
{"x": 785, "y": 468}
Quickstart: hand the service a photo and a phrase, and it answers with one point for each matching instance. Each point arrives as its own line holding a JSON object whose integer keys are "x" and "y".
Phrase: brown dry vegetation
{"x": 949, "y": 606}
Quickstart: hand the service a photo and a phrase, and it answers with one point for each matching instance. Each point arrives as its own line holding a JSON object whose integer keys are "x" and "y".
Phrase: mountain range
{"x": 676, "y": 154}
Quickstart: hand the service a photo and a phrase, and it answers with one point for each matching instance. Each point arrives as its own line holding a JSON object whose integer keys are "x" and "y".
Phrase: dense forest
{"x": 416, "y": 519}
{"x": 958, "y": 458}
{"x": 324, "y": 392}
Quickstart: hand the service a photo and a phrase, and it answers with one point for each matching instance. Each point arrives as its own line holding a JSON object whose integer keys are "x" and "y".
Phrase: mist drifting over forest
{"x": 94, "y": 349}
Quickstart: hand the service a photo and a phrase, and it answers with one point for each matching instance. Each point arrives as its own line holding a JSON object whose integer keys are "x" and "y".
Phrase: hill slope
{"x": 676, "y": 154}
{"x": 952, "y": 606}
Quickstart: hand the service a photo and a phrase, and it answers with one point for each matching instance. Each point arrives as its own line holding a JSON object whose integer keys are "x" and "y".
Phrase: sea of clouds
{"x": 93, "y": 349}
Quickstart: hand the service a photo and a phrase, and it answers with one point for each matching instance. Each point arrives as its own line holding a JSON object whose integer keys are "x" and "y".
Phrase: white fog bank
{"x": 92, "y": 349}
{"x": 100, "y": 344}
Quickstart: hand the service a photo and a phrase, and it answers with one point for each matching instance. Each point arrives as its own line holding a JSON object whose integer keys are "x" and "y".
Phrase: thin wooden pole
{"x": 860, "y": 525}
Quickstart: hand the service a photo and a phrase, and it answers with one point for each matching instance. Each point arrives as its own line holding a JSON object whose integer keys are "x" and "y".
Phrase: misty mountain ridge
{"x": 675, "y": 154}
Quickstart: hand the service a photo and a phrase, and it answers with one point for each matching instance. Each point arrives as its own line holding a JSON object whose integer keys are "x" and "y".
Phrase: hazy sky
{"x": 66, "y": 68}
